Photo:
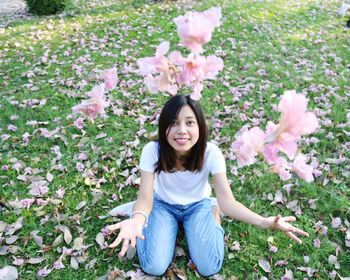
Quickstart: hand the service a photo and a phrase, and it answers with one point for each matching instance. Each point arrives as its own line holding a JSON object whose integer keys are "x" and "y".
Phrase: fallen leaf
{"x": 35, "y": 260}
{"x": 265, "y": 265}
{"x": 74, "y": 263}
{"x": 9, "y": 273}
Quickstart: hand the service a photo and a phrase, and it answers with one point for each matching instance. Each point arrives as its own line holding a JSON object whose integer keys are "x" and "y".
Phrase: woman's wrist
{"x": 140, "y": 217}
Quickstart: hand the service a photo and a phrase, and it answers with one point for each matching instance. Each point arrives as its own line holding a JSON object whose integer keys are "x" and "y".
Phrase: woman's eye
{"x": 190, "y": 122}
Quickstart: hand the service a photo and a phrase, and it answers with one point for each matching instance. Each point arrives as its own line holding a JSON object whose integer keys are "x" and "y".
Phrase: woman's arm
{"x": 238, "y": 211}
{"x": 131, "y": 229}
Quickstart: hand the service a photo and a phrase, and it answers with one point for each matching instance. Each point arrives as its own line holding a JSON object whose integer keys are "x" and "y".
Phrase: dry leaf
{"x": 80, "y": 205}
{"x": 74, "y": 263}
{"x": 265, "y": 265}
{"x": 58, "y": 240}
{"x": 67, "y": 235}
{"x": 35, "y": 260}
{"x": 8, "y": 273}
{"x": 78, "y": 243}
{"x": 100, "y": 238}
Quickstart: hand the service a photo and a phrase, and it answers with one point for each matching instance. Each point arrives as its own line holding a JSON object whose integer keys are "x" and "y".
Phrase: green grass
{"x": 294, "y": 42}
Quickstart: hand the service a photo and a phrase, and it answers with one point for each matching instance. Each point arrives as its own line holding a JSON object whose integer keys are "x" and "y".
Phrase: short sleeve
{"x": 149, "y": 157}
{"x": 217, "y": 163}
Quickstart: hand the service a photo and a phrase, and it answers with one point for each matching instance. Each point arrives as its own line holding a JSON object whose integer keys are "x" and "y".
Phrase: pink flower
{"x": 93, "y": 106}
{"x": 110, "y": 77}
{"x": 336, "y": 222}
{"x": 302, "y": 169}
{"x": 317, "y": 243}
{"x": 195, "y": 28}
{"x": 295, "y": 122}
{"x": 194, "y": 69}
{"x": 282, "y": 168}
{"x": 58, "y": 265}
{"x": 11, "y": 127}
{"x": 247, "y": 145}
{"x": 79, "y": 123}
{"x": 159, "y": 73}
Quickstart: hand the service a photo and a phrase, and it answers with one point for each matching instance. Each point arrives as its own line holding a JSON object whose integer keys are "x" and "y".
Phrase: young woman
{"x": 174, "y": 189}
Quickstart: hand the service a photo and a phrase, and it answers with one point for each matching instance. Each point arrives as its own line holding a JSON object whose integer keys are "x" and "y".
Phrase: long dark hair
{"x": 167, "y": 157}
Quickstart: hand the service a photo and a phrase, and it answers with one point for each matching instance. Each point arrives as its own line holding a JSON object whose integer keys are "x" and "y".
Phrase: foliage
{"x": 46, "y": 7}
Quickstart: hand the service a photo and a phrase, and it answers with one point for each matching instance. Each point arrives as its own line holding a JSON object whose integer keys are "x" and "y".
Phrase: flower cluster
{"x": 168, "y": 73}
{"x": 278, "y": 139}
{"x": 97, "y": 102}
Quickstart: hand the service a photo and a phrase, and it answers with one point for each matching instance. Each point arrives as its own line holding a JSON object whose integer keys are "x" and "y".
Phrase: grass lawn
{"x": 47, "y": 64}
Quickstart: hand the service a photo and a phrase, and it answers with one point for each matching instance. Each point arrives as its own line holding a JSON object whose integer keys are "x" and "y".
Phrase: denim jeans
{"x": 204, "y": 237}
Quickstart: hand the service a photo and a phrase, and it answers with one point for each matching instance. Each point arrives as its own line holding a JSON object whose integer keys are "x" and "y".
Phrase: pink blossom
{"x": 336, "y": 222}
{"x": 17, "y": 261}
{"x": 159, "y": 73}
{"x": 38, "y": 188}
{"x": 58, "y": 265}
{"x": 317, "y": 243}
{"x": 302, "y": 169}
{"x": 27, "y": 202}
{"x": 247, "y": 145}
{"x": 110, "y": 77}
{"x": 43, "y": 272}
{"x": 11, "y": 127}
{"x": 194, "y": 69}
{"x": 60, "y": 193}
{"x": 282, "y": 168}
{"x": 95, "y": 105}
{"x": 79, "y": 123}
{"x": 295, "y": 122}
{"x": 195, "y": 28}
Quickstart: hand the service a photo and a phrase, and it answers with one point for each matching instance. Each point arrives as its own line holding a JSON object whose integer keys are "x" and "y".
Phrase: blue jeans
{"x": 204, "y": 237}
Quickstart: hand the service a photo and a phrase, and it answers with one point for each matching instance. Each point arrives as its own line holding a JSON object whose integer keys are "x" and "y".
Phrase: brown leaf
{"x": 176, "y": 274}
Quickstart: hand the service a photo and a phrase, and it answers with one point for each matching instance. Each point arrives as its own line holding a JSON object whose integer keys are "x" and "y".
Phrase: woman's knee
{"x": 154, "y": 268}
{"x": 208, "y": 269}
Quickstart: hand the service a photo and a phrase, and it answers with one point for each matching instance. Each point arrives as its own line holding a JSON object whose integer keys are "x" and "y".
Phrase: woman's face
{"x": 183, "y": 134}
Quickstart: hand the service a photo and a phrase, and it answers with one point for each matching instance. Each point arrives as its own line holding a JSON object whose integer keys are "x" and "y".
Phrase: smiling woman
{"x": 174, "y": 189}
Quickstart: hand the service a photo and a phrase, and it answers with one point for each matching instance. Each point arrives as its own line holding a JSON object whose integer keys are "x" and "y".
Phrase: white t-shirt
{"x": 183, "y": 187}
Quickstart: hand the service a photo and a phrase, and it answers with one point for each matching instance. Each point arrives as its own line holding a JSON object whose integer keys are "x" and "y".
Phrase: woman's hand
{"x": 282, "y": 223}
{"x": 129, "y": 230}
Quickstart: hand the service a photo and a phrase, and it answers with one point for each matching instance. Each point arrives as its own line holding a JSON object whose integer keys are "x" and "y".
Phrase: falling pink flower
{"x": 195, "y": 28}
{"x": 110, "y": 77}
{"x": 247, "y": 145}
{"x": 295, "y": 122}
{"x": 95, "y": 105}
{"x": 282, "y": 168}
{"x": 302, "y": 169}
{"x": 194, "y": 69}
{"x": 159, "y": 73}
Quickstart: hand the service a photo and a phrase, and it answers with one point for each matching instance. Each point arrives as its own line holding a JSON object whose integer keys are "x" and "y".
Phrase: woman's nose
{"x": 181, "y": 128}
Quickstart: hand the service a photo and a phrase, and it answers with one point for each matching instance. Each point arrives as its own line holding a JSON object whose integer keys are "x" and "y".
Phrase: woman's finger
{"x": 116, "y": 242}
{"x": 133, "y": 242}
{"x": 124, "y": 247}
{"x": 113, "y": 227}
{"x": 277, "y": 218}
{"x": 289, "y": 219}
{"x": 300, "y": 232}
{"x": 295, "y": 238}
